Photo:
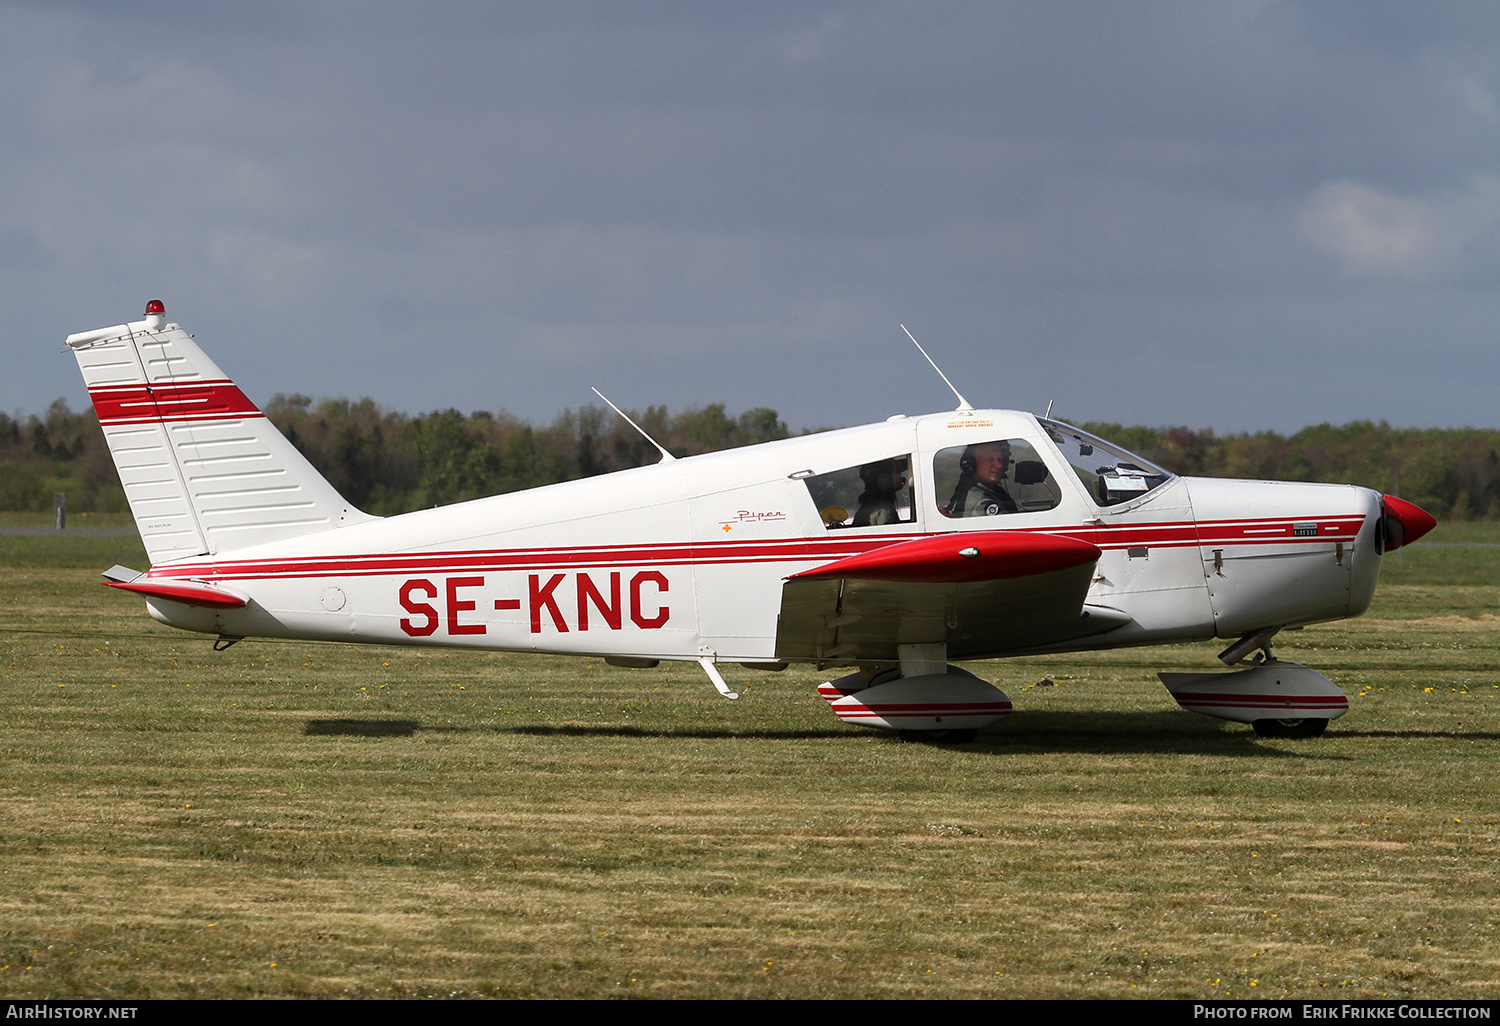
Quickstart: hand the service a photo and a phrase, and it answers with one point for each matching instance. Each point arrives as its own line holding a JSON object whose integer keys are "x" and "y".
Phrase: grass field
{"x": 323, "y": 820}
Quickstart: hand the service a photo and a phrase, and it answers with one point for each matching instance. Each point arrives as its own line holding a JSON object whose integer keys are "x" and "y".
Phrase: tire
{"x": 1291, "y": 729}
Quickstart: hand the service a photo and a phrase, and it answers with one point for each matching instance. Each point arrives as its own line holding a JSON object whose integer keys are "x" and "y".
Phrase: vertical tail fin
{"x": 203, "y": 469}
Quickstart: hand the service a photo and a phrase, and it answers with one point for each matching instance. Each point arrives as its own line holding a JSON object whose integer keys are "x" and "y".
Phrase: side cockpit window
{"x": 875, "y": 494}
{"x": 988, "y": 479}
{"x": 1111, "y": 475}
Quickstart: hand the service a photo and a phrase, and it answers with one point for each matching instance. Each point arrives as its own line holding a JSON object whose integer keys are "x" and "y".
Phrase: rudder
{"x": 203, "y": 469}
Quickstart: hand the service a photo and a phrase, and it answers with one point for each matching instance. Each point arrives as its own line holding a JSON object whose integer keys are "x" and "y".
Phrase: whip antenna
{"x": 963, "y": 404}
{"x": 666, "y": 457}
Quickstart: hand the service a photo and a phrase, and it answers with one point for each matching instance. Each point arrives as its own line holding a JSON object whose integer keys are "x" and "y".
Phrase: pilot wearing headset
{"x": 981, "y": 488}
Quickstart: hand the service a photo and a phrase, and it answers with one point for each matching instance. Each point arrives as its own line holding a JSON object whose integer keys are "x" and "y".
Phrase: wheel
{"x": 1293, "y": 729}
{"x": 950, "y": 737}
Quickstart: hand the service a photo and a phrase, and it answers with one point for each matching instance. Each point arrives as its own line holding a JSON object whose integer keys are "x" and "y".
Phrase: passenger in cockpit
{"x": 882, "y": 480}
{"x": 981, "y": 488}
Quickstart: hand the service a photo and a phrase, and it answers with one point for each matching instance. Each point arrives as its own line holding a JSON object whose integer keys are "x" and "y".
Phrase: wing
{"x": 982, "y": 593}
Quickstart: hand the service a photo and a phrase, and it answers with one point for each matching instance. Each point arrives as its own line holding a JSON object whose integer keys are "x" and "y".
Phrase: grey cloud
{"x": 1119, "y": 206}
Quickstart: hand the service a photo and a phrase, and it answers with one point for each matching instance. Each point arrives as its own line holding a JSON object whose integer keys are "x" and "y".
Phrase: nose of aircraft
{"x": 1404, "y": 522}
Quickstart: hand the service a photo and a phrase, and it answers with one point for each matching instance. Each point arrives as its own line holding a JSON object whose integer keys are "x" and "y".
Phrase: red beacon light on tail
{"x": 156, "y": 315}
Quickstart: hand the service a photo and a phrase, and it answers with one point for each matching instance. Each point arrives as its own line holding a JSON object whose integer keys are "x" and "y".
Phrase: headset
{"x": 880, "y": 477}
{"x": 968, "y": 462}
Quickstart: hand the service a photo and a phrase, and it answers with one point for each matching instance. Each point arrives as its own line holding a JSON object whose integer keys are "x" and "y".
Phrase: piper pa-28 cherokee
{"x": 887, "y": 550}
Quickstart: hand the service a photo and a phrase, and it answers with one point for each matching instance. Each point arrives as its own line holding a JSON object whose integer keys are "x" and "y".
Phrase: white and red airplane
{"x": 888, "y": 549}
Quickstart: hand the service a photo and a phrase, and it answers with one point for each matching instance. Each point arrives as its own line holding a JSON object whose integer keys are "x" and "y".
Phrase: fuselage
{"x": 686, "y": 559}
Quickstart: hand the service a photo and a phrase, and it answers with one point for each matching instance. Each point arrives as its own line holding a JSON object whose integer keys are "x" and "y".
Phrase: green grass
{"x": 1460, "y": 532}
{"x": 84, "y": 552}
{"x": 13, "y": 518}
{"x": 330, "y": 820}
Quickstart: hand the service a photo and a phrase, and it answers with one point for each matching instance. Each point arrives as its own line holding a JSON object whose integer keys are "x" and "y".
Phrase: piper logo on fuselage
{"x": 596, "y": 607}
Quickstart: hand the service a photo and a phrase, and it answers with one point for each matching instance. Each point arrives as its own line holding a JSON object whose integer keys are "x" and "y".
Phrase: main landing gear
{"x": 924, "y": 698}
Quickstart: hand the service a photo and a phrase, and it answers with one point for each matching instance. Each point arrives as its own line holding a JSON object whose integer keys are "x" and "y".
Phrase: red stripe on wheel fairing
{"x": 1300, "y": 703}
{"x": 896, "y": 709}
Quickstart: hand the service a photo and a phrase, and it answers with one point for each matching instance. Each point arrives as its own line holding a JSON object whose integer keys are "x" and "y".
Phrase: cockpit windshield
{"x": 1110, "y": 474}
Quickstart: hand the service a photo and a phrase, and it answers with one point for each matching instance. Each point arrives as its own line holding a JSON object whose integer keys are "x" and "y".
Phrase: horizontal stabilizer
{"x": 189, "y": 592}
{"x": 122, "y": 574}
{"x": 961, "y": 558}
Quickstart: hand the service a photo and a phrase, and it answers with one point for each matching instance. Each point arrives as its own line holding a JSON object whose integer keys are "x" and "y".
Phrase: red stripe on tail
{"x": 195, "y": 400}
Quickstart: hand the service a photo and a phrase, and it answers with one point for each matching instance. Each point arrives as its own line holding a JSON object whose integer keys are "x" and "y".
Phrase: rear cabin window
{"x": 993, "y": 478}
{"x": 875, "y": 494}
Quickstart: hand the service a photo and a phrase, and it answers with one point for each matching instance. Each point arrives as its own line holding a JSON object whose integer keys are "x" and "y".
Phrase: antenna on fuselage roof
{"x": 666, "y": 457}
{"x": 963, "y": 404}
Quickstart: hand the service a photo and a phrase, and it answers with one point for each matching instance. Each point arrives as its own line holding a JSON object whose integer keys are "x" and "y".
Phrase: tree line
{"x": 388, "y": 462}
{"x": 385, "y": 461}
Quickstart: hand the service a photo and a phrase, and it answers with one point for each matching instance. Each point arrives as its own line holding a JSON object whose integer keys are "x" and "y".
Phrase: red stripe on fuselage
{"x": 1278, "y": 530}
{"x": 794, "y": 550}
{"x": 172, "y": 401}
{"x": 784, "y": 550}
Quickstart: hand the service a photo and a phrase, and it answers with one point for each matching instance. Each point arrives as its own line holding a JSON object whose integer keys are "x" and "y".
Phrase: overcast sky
{"x": 1254, "y": 215}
